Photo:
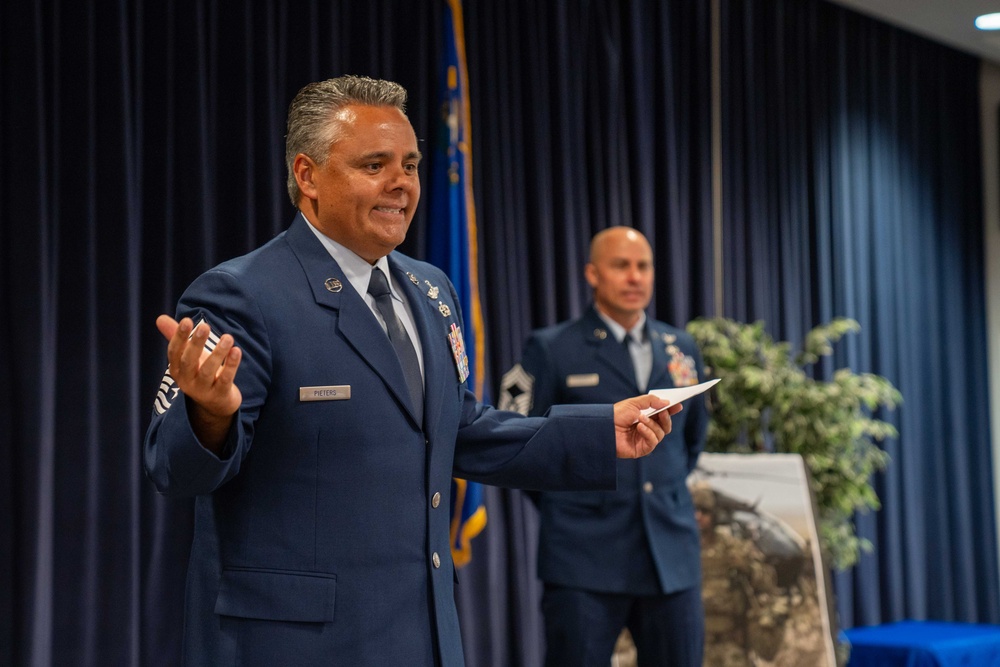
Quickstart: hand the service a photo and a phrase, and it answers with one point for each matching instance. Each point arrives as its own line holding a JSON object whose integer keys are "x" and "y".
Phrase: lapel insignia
{"x": 600, "y": 334}
{"x": 445, "y": 310}
{"x": 458, "y": 351}
{"x": 333, "y": 285}
{"x": 432, "y": 291}
{"x": 413, "y": 278}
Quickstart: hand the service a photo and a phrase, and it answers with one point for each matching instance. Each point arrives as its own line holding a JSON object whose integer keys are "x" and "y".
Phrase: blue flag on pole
{"x": 453, "y": 247}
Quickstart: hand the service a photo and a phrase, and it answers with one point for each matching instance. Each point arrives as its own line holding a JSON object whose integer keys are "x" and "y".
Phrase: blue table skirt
{"x": 924, "y": 644}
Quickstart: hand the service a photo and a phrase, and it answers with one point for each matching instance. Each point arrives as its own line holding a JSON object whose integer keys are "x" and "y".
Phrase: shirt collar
{"x": 356, "y": 269}
{"x": 618, "y": 331}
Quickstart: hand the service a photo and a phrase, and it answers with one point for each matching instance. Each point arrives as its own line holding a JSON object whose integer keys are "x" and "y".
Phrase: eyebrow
{"x": 382, "y": 155}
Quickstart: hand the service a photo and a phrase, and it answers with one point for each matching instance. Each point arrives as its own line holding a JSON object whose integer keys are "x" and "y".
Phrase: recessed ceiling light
{"x": 988, "y": 22}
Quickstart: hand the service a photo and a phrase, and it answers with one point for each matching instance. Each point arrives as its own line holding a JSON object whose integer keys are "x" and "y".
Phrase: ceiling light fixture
{"x": 988, "y": 22}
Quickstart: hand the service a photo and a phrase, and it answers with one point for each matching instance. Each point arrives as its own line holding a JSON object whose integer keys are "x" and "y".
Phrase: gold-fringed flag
{"x": 453, "y": 246}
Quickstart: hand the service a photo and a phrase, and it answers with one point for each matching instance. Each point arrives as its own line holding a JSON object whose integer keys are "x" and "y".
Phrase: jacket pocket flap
{"x": 277, "y": 596}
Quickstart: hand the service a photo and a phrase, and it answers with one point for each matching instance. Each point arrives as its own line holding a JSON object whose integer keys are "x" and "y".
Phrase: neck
{"x": 626, "y": 319}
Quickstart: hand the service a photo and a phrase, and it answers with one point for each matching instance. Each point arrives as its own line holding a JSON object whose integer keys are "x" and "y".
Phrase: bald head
{"x": 621, "y": 274}
{"x": 613, "y": 236}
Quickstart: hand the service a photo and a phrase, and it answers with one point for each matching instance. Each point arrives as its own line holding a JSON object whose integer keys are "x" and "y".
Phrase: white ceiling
{"x": 947, "y": 21}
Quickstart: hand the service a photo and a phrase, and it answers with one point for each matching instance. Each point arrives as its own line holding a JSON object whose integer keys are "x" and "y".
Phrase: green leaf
{"x": 767, "y": 392}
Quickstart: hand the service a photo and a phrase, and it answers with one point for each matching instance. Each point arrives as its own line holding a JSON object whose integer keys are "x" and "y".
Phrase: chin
{"x": 389, "y": 243}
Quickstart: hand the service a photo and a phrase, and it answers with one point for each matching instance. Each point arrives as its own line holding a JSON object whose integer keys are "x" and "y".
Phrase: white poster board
{"x": 763, "y": 501}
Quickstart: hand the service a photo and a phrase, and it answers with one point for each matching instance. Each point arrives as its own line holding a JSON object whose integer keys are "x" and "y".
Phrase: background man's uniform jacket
{"x": 596, "y": 540}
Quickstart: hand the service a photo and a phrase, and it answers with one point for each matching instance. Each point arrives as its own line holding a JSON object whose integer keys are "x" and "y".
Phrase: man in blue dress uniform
{"x": 611, "y": 352}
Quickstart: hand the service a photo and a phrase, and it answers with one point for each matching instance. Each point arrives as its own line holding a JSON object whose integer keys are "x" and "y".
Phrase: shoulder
{"x": 274, "y": 251}
{"x": 568, "y": 332}
{"x": 250, "y": 264}
{"x": 249, "y": 276}
{"x": 552, "y": 332}
{"x": 587, "y": 327}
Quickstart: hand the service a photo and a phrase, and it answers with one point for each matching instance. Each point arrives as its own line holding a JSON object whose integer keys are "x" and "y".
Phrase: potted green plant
{"x": 769, "y": 400}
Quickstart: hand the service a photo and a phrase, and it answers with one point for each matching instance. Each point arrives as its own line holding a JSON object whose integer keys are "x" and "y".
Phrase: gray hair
{"x": 310, "y": 127}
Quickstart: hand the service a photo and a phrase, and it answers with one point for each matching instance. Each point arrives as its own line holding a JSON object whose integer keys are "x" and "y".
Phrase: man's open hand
{"x": 205, "y": 378}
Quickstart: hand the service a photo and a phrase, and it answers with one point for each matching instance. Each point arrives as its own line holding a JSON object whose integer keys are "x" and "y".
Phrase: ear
{"x": 590, "y": 273}
{"x": 304, "y": 168}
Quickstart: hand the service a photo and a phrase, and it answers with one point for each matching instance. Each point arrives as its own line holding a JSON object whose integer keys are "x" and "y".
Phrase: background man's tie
{"x": 378, "y": 287}
{"x": 629, "y": 368}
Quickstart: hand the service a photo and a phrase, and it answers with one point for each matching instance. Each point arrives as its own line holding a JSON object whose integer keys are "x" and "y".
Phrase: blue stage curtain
{"x": 853, "y": 187}
{"x": 585, "y": 115}
{"x": 142, "y": 142}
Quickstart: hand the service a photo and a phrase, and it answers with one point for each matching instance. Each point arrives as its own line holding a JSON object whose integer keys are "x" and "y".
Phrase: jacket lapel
{"x": 355, "y": 322}
{"x": 609, "y": 353}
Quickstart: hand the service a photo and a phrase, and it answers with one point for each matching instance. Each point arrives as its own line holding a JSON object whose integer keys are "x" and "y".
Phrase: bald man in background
{"x": 614, "y": 351}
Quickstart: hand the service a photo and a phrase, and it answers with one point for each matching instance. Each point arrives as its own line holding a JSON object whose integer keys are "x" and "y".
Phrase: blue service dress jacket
{"x": 586, "y": 537}
{"x": 321, "y": 533}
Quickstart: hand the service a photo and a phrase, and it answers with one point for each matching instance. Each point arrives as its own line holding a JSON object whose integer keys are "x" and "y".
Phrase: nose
{"x": 400, "y": 178}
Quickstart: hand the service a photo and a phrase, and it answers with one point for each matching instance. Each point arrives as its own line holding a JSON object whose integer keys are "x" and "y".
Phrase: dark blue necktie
{"x": 629, "y": 367}
{"x": 378, "y": 287}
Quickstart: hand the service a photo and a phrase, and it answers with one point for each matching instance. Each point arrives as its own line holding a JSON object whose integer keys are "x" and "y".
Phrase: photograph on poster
{"x": 767, "y": 598}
